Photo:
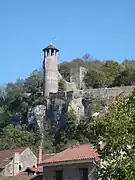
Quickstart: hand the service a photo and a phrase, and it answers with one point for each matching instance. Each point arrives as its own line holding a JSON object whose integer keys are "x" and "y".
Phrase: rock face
{"x": 78, "y": 107}
{"x": 39, "y": 112}
{"x": 36, "y": 115}
{"x": 82, "y": 102}
{"x": 58, "y": 107}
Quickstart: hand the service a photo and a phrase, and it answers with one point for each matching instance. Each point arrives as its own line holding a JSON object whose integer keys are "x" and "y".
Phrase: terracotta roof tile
{"x": 4, "y": 162}
{"x": 81, "y": 152}
{"x": 45, "y": 156}
{"x": 10, "y": 152}
{"x": 6, "y": 155}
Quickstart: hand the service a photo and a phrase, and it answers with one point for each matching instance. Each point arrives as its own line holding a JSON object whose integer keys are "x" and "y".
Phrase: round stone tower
{"x": 50, "y": 67}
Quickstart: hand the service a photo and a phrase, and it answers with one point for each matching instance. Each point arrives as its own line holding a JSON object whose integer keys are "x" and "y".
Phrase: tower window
{"x": 20, "y": 168}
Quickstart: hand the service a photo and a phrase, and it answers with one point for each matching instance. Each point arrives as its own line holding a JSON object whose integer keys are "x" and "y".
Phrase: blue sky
{"x": 103, "y": 28}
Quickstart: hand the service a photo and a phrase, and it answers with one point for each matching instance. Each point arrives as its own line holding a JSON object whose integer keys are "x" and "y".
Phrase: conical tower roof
{"x": 50, "y": 46}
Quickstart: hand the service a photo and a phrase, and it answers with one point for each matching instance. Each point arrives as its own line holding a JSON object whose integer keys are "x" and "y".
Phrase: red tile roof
{"x": 5, "y": 155}
{"x": 81, "y": 152}
{"x": 10, "y": 152}
{"x": 46, "y": 156}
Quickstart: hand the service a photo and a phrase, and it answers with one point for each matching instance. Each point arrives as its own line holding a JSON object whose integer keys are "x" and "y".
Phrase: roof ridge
{"x": 4, "y": 150}
{"x": 78, "y": 152}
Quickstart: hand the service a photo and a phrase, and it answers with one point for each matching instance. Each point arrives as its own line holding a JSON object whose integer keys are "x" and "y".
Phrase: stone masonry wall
{"x": 27, "y": 159}
{"x": 93, "y": 99}
{"x": 87, "y": 102}
{"x": 72, "y": 172}
{"x": 104, "y": 93}
{"x": 24, "y": 160}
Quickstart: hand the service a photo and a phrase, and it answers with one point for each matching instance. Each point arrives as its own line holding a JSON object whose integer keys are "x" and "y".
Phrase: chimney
{"x": 16, "y": 161}
{"x": 40, "y": 153}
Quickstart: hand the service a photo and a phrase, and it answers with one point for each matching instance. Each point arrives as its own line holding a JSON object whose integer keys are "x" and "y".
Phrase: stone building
{"x": 50, "y": 66}
{"x": 77, "y": 75}
{"x": 51, "y": 76}
{"x": 15, "y": 161}
{"x": 74, "y": 163}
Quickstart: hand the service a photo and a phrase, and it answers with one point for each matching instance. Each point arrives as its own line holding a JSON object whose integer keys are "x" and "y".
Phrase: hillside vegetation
{"x": 116, "y": 128}
{"x": 107, "y": 73}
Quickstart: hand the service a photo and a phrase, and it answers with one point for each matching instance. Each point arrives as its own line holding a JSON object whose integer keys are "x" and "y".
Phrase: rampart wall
{"x": 84, "y": 101}
{"x": 104, "y": 93}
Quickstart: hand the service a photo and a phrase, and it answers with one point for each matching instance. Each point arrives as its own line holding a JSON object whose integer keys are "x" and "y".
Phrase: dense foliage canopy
{"x": 107, "y": 73}
{"x": 116, "y": 130}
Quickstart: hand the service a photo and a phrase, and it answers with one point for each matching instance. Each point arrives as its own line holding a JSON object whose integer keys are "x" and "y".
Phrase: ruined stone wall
{"x": 97, "y": 100}
{"x": 83, "y": 102}
{"x": 86, "y": 101}
{"x": 104, "y": 93}
{"x": 70, "y": 86}
{"x": 77, "y": 75}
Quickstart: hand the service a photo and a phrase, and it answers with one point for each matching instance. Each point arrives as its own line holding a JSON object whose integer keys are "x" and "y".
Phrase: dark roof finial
{"x": 50, "y": 46}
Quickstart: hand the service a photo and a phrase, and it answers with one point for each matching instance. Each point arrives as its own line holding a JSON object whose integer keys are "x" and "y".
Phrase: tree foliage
{"x": 100, "y": 74}
{"x": 62, "y": 85}
{"x": 14, "y": 104}
{"x": 116, "y": 129}
{"x": 12, "y": 137}
{"x": 94, "y": 79}
{"x": 111, "y": 70}
{"x": 68, "y": 134}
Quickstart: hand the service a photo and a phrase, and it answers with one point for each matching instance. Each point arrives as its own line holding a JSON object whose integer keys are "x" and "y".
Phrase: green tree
{"x": 12, "y": 137}
{"x": 21, "y": 95}
{"x": 34, "y": 83}
{"x": 18, "y": 98}
{"x": 62, "y": 85}
{"x": 125, "y": 78}
{"x": 111, "y": 70}
{"x": 66, "y": 136}
{"x": 65, "y": 67}
{"x": 95, "y": 79}
{"x": 87, "y": 57}
{"x": 85, "y": 132}
{"x": 49, "y": 136}
{"x": 117, "y": 130}
{"x": 4, "y": 118}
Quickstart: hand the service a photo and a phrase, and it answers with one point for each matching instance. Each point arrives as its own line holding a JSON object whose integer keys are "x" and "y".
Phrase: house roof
{"x": 6, "y": 155}
{"x": 77, "y": 153}
{"x": 45, "y": 156}
{"x": 50, "y": 46}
